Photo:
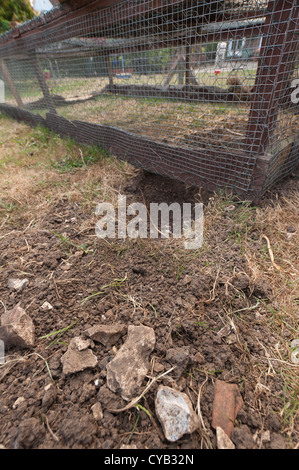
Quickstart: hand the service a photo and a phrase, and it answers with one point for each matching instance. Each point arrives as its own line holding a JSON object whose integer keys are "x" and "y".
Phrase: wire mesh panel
{"x": 200, "y": 91}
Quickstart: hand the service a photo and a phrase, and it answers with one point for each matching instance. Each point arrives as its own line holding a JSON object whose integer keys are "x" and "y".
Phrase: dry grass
{"x": 38, "y": 168}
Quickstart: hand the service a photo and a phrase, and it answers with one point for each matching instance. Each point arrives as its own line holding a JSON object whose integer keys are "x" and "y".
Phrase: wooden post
{"x": 275, "y": 65}
{"x": 109, "y": 69}
{"x": 8, "y": 78}
{"x": 190, "y": 77}
{"x": 181, "y": 66}
{"x": 188, "y": 68}
{"x": 42, "y": 82}
{"x": 172, "y": 68}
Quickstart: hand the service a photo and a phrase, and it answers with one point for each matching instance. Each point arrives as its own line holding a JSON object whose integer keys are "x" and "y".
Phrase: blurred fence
{"x": 203, "y": 92}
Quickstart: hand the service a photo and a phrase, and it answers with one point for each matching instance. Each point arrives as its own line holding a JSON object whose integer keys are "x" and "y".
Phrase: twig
{"x": 198, "y": 404}
{"x": 136, "y": 400}
{"x": 47, "y": 365}
{"x": 212, "y": 292}
{"x": 271, "y": 253}
{"x": 50, "y": 430}
{"x": 8, "y": 233}
{"x": 3, "y": 305}
{"x": 233, "y": 132}
{"x": 57, "y": 293}
{"x": 154, "y": 421}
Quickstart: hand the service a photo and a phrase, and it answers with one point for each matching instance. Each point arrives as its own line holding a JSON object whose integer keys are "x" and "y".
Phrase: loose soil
{"x": 186, "y": 296}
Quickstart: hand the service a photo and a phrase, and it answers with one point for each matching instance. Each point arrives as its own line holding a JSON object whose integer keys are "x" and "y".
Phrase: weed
{"x": 59, "y": 334}
{"x": 155, "y": 311}
{"x": 66, "y": 241}
{"x": 115, "y": 284}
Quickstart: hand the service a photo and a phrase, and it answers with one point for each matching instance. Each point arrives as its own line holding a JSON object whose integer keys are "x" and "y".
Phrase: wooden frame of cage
{"x": 279, "y": 39}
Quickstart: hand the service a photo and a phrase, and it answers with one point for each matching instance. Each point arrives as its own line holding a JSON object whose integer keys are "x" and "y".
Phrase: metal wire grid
{"x": 175, "y": 75}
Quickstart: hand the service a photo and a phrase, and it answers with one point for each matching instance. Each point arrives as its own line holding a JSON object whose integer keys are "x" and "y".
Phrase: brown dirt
{"x": 187, "y": 297}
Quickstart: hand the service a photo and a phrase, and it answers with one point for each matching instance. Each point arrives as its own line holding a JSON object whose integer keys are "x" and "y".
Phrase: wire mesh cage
{"x": 200, "y": 91}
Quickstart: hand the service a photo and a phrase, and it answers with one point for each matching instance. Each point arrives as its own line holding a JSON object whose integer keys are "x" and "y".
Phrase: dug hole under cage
{"x": 205, "y": 92}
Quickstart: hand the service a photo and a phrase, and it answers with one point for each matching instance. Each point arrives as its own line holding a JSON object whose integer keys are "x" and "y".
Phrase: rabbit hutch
{"x": 205, "y": 92}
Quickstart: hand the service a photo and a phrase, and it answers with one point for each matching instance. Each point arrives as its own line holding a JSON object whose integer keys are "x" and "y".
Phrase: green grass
{"x": 115, "y": 284}
{"x": 58, "y": 334}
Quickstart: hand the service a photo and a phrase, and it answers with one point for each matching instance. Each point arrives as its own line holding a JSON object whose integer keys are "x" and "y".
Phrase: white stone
{"x": 18, "y": 402}
{"x": 223, "y": 441}
{"x": 175, "y": 413}
{"x": 46, "y": 306}
{"x": 97, "y": 411}
{"x": 17, "y": 284}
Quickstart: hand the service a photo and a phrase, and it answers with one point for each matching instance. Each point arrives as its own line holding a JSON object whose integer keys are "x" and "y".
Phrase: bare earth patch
{"x": 226, "y": 312}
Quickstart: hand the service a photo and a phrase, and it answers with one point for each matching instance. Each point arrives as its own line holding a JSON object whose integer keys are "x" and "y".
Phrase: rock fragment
{"x": 49, "y": 396}
{"x": 97, "y": 411}
{"x": 128, "y": 368}
{"x": 19, "y": 401}
{"x": 226, "y": 405}
{"x": 223, "y": 441}
{"x": 17, "y": 329}
{"x": 17, "y": 284}
{"x": 175, "y": 413}
{"x": 241, "y": 281}
{"x": 31, "y": 433}
{"x": 242, "y": 437}
{"x": 107, "y": 335}
{"x": 46, "y": 306}
{"x": 78, "y": 356}
{"x": 178, "y": 357}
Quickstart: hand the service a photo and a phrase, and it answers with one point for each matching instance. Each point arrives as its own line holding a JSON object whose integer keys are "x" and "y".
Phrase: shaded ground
{"x": 186, "y": 296}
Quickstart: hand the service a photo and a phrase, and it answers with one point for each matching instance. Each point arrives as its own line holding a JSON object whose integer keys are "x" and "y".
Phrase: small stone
{"x": 265, "y": 437}
{"x": 31, "y": 432}
{"x": 76, "y": 359}
{"x": 127, "y": 370}
{"x": 291, "y": 229}
{"x": 178, "y": 357}
{"x": 240, "y": 281}
{"x": 223, "y": 441}
{"x": 81, "y": 343}
{"x": 17, "y": 328}
{"x": 242, "y": 437}
{"x": 49, "y": 396}
{"x": 17, "y": 284}
{"x": 295, "y": 351}
{"x": 46, "y": 306}
{"x": 97, "y": 411}
{"x": 187, "y": 279}
{"x": 158, "y": 367}
{"x": 175, "y": 413}
{"x": 199, "y": 358}
{"x": 274, "y": 422}
{"x": 66, "y": 266}
{"x": 18, "y": 402}
{"x": 277, "y": 442}
{"x": 232, "y": 339}
{"x": 107, "y": 335}
{"x": 225, "y": 331}
{"x": 96, "y": 382}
